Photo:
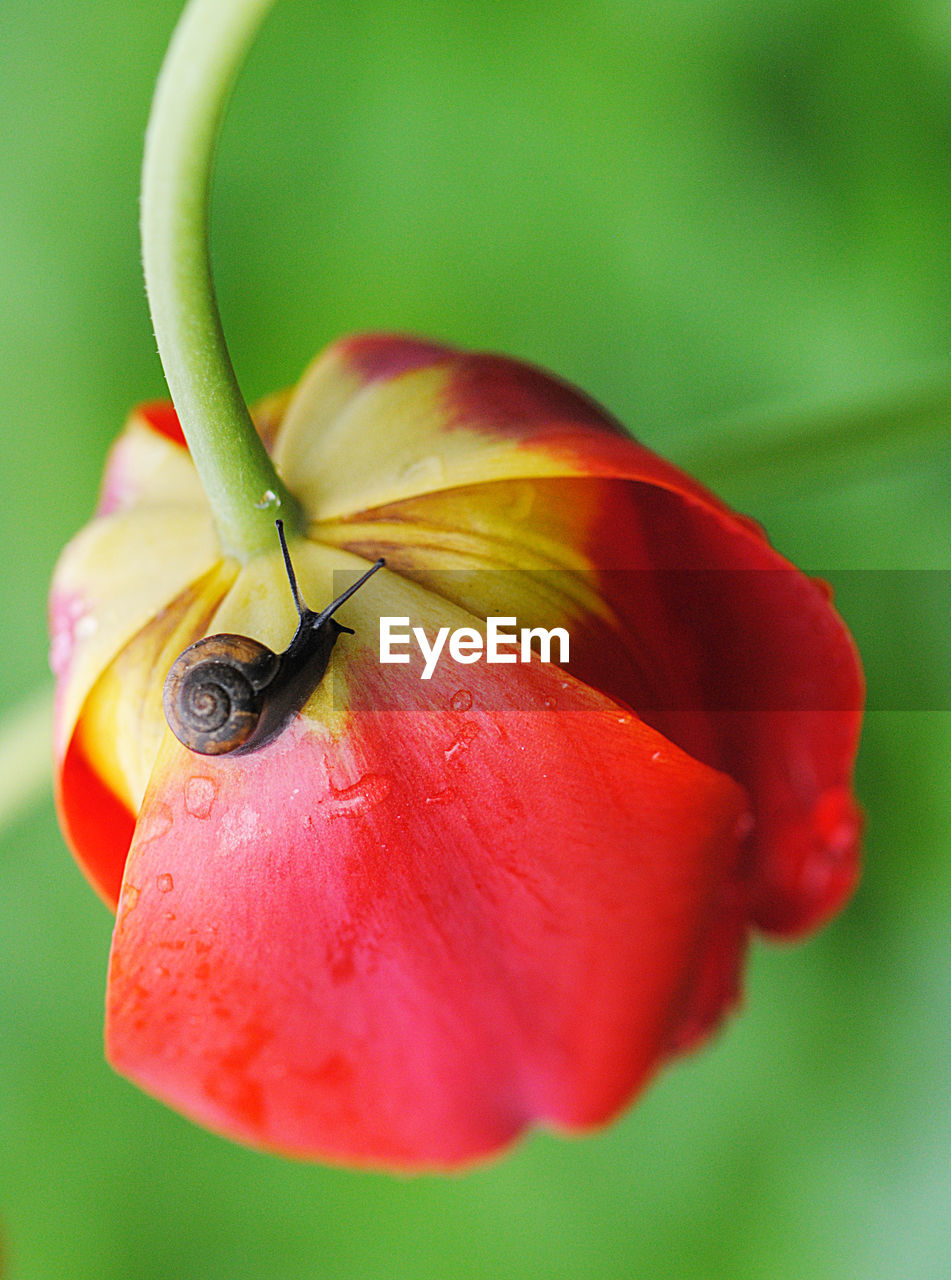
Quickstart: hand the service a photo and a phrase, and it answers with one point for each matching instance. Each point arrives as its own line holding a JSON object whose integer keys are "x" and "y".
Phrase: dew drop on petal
{"x": 200, "y": 795}
{"x": 461, "y": 700}
{"x": 155, "y": 822}
{"x": 423, "y": 471}
{"x": 837, "y": 823}
{"x": 164, "y": 883}
{"x": 467, "y": 735}
{"x": 61, "y": 653}
{"x": 239, "y": 828}
{"x": 365, "y": 794}
{"x": 69, "y": 615}
{"x": 446, "y": 796}
{"x": 829, "y": 870}
{"x": 129, "y": 900}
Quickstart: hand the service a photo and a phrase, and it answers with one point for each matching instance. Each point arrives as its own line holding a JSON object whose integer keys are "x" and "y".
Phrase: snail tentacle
{"x": 230, "y": 693}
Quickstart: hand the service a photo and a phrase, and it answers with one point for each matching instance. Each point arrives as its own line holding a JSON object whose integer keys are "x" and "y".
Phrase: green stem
{"x": 243, "y": 488}
{"x": 811, "y": 447}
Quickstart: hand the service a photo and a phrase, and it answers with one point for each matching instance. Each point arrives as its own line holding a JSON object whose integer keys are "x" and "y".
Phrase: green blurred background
{"x": 730, "y": 221}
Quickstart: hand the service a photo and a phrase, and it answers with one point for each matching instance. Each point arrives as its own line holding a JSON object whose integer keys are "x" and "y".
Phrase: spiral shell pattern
{"x": 214, "y": 692}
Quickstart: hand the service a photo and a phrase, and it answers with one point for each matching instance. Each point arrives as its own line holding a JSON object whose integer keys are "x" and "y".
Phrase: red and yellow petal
{"x": 115, "y": 576}
{"x": 143, "y": 580}
{"x": 451, "y": 419}
{"x": 149, "y": 464}
{"x": 402, "y": 940}
{"x": 686, "y": 616}
{"x": 431, "y": 913}
{"x": 111, "y": 717}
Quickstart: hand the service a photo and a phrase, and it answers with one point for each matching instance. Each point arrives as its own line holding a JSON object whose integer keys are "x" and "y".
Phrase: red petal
{"x": 716, "y": 641}
{"x": 377, "y": 357}
{"x": 403, "y": 946}
{"x": 452, "y": 419}
{"x": 97, "y": 825}
{"x": 758, "y": 676}
{"x": 161, "y": 417}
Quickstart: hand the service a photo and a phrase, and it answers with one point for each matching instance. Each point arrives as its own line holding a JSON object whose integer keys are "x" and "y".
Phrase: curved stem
{"x": 239, "y": 478}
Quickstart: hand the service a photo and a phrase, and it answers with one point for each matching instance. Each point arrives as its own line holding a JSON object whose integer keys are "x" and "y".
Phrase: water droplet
{"x": 169, "y": 915}
{"x": 239, "y": 827}
{"x": 129, "y": 900}
{"x": 267, "y": 499}
{"x": 461, "y": 700}
{"x": 656, "y": 755}
{"x": 548, "y": 702}
{"x": 164, "y": 883}
{"x": 61, "y": 652}
{"x": 423, "y": 471}
{"x": 154, "y": 823}
{"x": 837, "y": 823}
{"x": 200, "y": 795}
{"x": 366, "y": 793}
{"x": 467, "y": 734}
{"x": 66, "y": 614}
{"x": 445, "y": 796}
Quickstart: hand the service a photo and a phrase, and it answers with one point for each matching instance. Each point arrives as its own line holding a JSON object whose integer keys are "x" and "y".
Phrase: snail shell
{"x": 214, "y": 692}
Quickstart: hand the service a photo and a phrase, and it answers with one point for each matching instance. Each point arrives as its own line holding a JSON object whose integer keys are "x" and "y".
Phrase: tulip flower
{"x": 426, "y": 914}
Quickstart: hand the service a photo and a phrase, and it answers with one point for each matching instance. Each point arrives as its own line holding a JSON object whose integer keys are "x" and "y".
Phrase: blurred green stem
{"x": 811, "y": 447}
{"x": 243, "y": 488}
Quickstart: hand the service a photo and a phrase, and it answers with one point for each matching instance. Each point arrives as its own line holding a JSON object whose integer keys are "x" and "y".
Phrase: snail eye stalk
{"x": 230, "y": 693}
{"x": 291, "y": 575}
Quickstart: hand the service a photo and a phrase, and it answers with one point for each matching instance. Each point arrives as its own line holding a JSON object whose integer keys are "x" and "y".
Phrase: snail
{"x": 229, "y": 693}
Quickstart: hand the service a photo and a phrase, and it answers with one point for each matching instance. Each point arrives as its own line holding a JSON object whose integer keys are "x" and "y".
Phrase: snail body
{"x": 232, "y": 694}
